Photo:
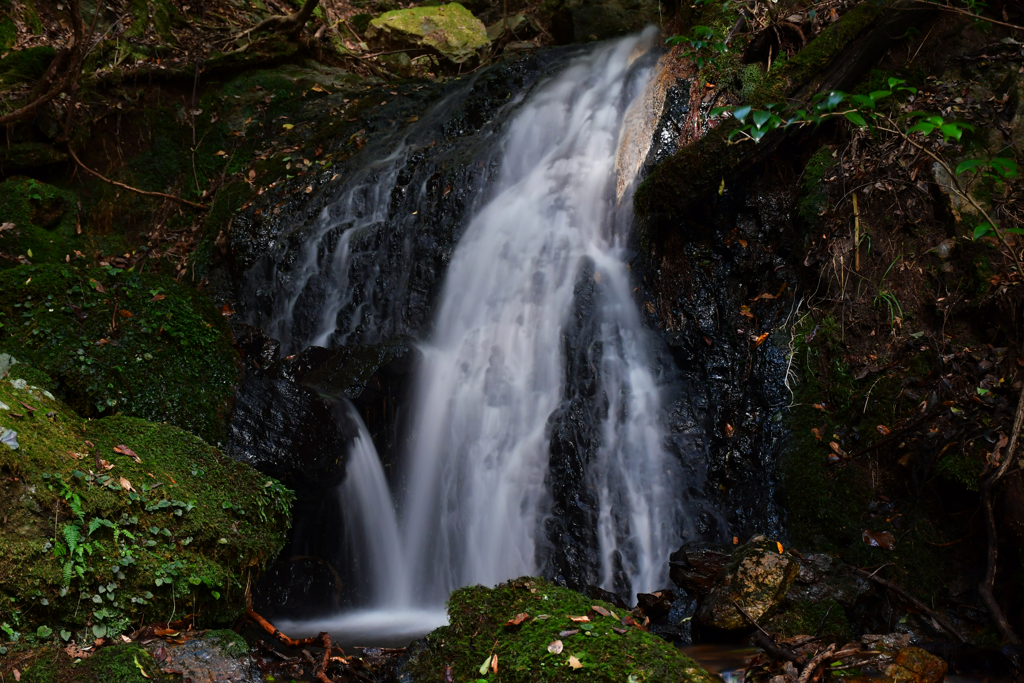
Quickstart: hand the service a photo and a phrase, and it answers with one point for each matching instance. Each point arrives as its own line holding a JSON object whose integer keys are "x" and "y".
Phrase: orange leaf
{"x": 158, "y": 297}
{"x": 517, "y": 619}
{"x": 728, "y": 430}
{"x": 817, "y": 431}
{"x": 745, "y": 311}
{"x": 579, "y": 619}
{"x": 575, "y": 663}
{"x": 883, "y": 430}
{"x": 494, "y": 664}
{"x": 780, "y": 547}
{"x": 761, "y": 338}
{"x": 601, "y": 610}
{"x": 125, "y": 314}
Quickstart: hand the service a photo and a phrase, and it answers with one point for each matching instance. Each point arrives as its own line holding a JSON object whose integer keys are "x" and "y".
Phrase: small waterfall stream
{"x": 475, "y": 495}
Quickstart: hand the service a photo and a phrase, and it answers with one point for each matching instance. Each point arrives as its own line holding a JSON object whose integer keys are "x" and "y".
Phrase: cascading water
{"x": 493, "y": 373}
{"x": 476, "y": 490}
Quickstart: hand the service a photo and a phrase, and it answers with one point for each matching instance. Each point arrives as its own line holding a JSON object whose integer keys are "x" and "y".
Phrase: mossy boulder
{"x": 122, "y": 342}
{"x": 757, "y": 577}
{"x": 25, "y": 66}
{"x": 479, "y": 628}
{"x": 37, "y": 221}
{"x": 109, "y": 521}
{"x": 450, "y": 30}
{"x": 914, "y": 665}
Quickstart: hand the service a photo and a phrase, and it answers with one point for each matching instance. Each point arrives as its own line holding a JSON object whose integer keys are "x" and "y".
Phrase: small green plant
{"x": 704, "y": 43}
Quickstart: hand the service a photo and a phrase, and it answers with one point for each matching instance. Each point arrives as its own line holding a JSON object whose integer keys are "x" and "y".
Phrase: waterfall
{"x": 493, "y": 372}
{"x": 476, "y": 494}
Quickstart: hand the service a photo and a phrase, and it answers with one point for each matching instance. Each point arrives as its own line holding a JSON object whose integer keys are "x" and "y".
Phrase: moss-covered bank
{"x": 478, "y": 631}
{"x": 122, "y": 342}
{"x": 108, "y": 522}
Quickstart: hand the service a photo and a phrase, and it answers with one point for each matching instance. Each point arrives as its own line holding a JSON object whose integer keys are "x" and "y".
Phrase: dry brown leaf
{"x": 883, "y": 430}
{"x": 124, "y": 450}
{"x": 125, "y": 314}
{"x": 879, "y": 539}
{"x": 579, "y": 619}
{"x": 570, "y": 632}
{"x": 106, "y": 464}
{"x": 766, "y": 295}
{"x": 555, "y": 647}
{"x": 126, "y": 485}
{"x": 818, "y": 432}
{"x": 575, "y": 663}
{"x": 517, "y": 619}
{"x": 745, "y": 312}
{"x": 837, "y": 449}
{"x": 17, "y": 674}
{"x": 761, "y": 338}
{"x": 780, "y": 547}
{"x": 494, "y": 664}
{"x": 601, "y": 610}
{"x": 728, "y": 430}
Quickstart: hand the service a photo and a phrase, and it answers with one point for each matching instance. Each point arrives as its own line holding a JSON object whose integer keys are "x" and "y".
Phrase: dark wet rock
{"x": 655, "y": 605}
{"x": 348, "y": 370}
{"x": 823, "y": 577}
{"x": 255, "y": 345}
{"x": 583, "y": 21}
{"x": 677, "y": 623}
{"x": 757, "y": 577}
{"x": 598, "y": 593}
{"x": 216, "y": 656}
{"x": 289, "y": 432}
{"x": 298, "y": 586}
{"x": 695, "y": 567}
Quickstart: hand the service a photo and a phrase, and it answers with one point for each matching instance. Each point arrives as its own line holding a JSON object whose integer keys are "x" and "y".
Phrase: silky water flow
{"x": 493, "y": 373}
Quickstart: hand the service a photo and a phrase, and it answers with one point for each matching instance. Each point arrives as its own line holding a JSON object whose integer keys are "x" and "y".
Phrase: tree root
{"x": 129, "y": 187}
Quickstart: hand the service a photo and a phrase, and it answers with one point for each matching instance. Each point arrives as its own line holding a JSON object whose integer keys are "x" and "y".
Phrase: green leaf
{"x": 856, "y": 119}
{"x": 486, "y": 665}
{"x": 741, "y": 113}
{"x": 718, "y": 111}
{"x": 65, "y": 635}
{"x": 879, "y": 94}
{"x": 100, "y": 630}
{"x": 760, "y": 117}
{"x": 969, "y": 165}
{"x": 44, "y": 632}
{"x": 893, "y": 82}
{"x": 757, "y": 133}
{"x": 1015, "y": 231}
{"x": 922, "y": 127}
{"x": 982, "y": 230}
{"x": 834, "y": 98}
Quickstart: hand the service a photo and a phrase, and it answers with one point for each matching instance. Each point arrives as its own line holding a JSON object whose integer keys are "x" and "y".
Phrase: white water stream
{"x": 494, "y": 372}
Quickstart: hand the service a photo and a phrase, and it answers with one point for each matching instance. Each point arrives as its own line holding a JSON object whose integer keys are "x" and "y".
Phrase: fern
{"x": 72, "y": 536}
{"x": 94, "y": 525}
{"x": 69, "y": 572}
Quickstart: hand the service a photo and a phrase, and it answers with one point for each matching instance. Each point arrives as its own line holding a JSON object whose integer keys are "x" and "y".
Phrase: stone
{"x": 757, "y": 577}
{"x": 914, "y": 665}
{"x": 450, "y": 30}
{"x": 694, "y": 568}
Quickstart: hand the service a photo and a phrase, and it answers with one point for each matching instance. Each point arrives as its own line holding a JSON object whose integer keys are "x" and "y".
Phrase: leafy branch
{"x": 862, "y": 111}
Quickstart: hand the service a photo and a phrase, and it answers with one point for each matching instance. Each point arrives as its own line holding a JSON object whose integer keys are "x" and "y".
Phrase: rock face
{"x": 694, "y": 567}
{"x": 757, "y": 577}
{"x": 581, "y": 21}
{"x": 450, "y": 30}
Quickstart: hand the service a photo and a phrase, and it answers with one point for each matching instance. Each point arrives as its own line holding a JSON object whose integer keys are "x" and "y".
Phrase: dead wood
{"x": 129, "y": 187}
{"x": 939, "y": 619}
{"x": 808, "y": 671}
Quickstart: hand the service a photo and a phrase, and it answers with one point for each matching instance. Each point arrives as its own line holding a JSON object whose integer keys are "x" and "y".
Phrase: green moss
{"x": 43, "y": 217}
{"x": 450, "y": 29}
{"x": 478, "y": 630}
{"x": 180, "y": 531}
{"x": 26, "y": 66}
{"x": 122, "y": 342}
{"x": 123, "y": 663}
{"x": 826, "y": 618}
{"x": 812, "y": 199}
{"x": 231, "y": 643}
{"x": 160, "y": 15}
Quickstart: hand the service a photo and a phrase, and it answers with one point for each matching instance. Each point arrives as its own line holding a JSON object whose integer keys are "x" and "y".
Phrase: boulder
{"x": 695, "y": 567}
{"x": 757, "y": 577}
{"x": 914, "y": 665}
{"x": 449, "y": 30}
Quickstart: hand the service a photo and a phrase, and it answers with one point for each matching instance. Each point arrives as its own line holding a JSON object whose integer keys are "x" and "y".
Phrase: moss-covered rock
{"x": 122, "y": 342}
{"x": 26, "y": 66}
{"x": 38, "y": 221}
{"x": 112, "y": 520}
{"x": 479, "y": 630}
{"x": 451, "y": 30}
{"x": 757, "y": 577}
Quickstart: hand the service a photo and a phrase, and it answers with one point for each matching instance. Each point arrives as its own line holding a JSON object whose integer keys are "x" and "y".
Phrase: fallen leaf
{"x": 555, "y": 647}
{"x": 144, "y": 674}
{"x": 579, "y": 619}
{"x": 252, "y": 174}
{"x": 566, "y": 634}
{"x": 820, "y": 406}
{"x": 818, "y": 432}
{"x": 165, "y": 632}
{"x": 126, "y": 314}
{"x": 447, "y": 674}
{"x": 158, "y": 297}
{"x": 316, "y": 88}
{"x": 763, "y": 296}
{"x": 17, "y": 674}
{"x": 780, "y": 547}
{"x": 220, "y": 153}
{"x": 883, "y": 430}
{"x": 6, "y": 226}
{"x": 743, "y": 242}
{"x": 601, "y": 610}
{"x": 745, "y": 311}
{"x": 485, "y": 665}
{"x": 105, "y": 464}
{"x": 728, "y": 430}
{"x": 880, "y": 539}
{"x": 126, "y": 485}
{"x": 542, "y": 617}
{"x": 494, "y": 664}
{"x": 517, "y": 619}
{"x": 288, "y": 126}
{"x": 760, "y": 339}
{"x": 97, "y": 286}
{"x": 837, "y": 449}
{"x": 575, "y": 663}
{"x": 124, "y": 450}
{"x": 620, "y": 631}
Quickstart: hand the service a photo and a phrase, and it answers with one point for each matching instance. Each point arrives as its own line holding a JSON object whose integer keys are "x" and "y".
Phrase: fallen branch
{"x": 808, "y": 671}
{"x": 939, "y": 619}
{"x": 764, "y": 640}
{"x": 147, "y": 193}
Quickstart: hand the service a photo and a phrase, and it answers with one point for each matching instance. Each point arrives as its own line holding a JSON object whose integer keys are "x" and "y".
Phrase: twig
{"x": 805, "y": 675}
{"x": 765, "y": 640}
{"x": 939, "y": 619}
{"x": 978, "y": 17}
{"x": 147, "y": 193}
